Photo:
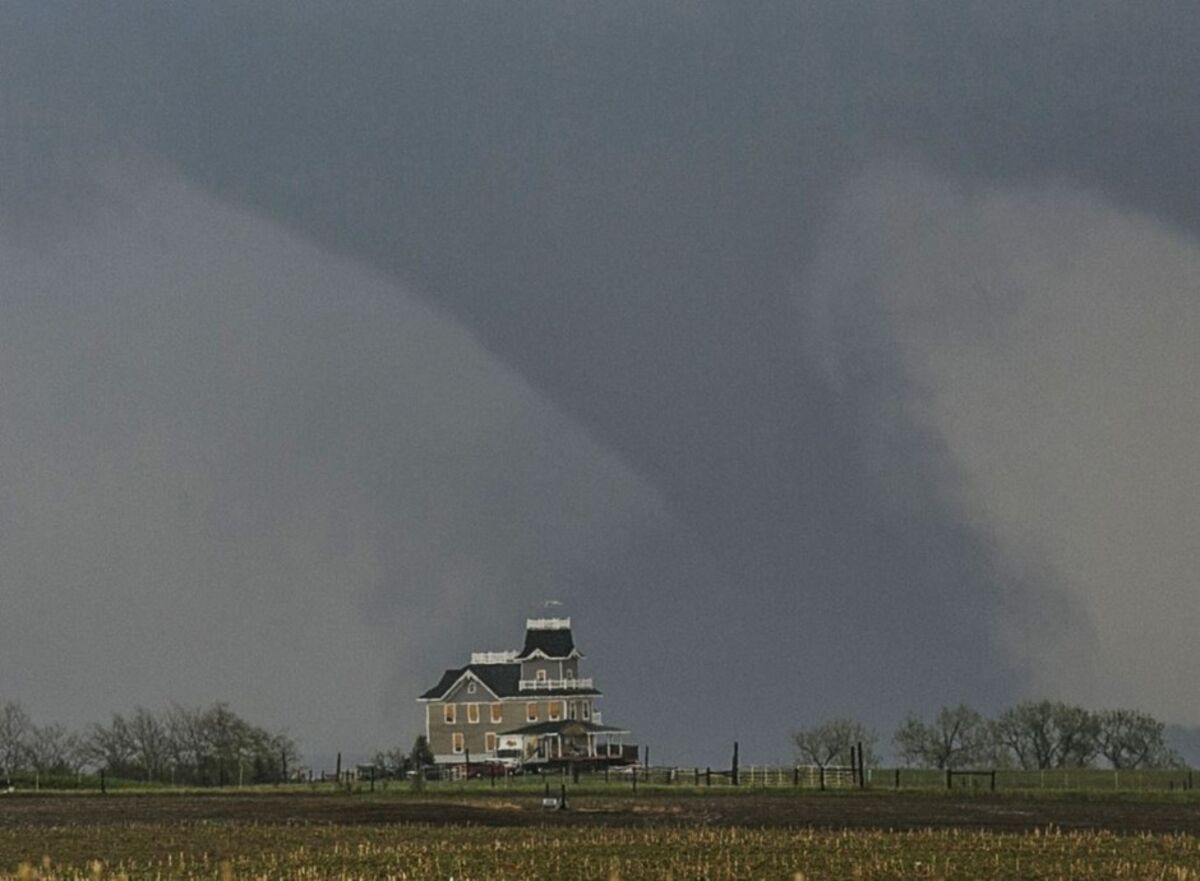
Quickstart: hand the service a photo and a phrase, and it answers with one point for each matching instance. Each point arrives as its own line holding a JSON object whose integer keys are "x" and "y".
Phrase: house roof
{"x": 502, "y": 680}
{"x": 551, "y": 642}
{"x": 573, "y": 727}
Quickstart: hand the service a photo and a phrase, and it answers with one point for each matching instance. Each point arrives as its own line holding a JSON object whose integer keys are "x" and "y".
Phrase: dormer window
{"x": 541, "y": 676}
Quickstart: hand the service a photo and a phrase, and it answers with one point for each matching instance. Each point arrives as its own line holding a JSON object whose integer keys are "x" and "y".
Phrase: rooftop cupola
{"x": 548, "y": 638}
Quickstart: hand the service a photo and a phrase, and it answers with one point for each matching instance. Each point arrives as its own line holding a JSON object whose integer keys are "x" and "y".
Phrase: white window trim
{"x": 458, "y": 742}
{"x": 450, "y": 714}
{"x": 471, "y": 707}
{"x": 496, "y": 713}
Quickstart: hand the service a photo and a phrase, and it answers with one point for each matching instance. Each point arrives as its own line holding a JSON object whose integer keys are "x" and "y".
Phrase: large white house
{"x": 521, "y": 707}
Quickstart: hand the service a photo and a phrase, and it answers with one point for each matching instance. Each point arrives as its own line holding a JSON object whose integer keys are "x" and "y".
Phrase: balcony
{"x": 554, "y": 684}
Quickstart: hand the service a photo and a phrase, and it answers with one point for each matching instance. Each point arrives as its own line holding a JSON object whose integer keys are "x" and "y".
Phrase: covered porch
{"x": 571, "y": 740}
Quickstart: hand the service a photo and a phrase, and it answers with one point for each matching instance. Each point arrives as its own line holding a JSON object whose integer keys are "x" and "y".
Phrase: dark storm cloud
{"x": 620, "y": 201}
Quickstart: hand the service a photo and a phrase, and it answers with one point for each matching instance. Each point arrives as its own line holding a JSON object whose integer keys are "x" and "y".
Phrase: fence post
{"x": 697, "y": 776}
{"x": 862, "y": 768}
{"x": 822, "y": 769}
{"x": 708, "y": 776}
{"x": 993, "y": 781}
{"x": 734, "y": 770}
{"x": 897, "y": 778}
{"x": 795, "y": 775}
{"x": 949, "y": 779}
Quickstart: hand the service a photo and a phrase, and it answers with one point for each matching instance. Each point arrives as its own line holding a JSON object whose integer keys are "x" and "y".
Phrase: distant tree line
{"x": 205, "y": 746}
{"x": 1031, "y": 735}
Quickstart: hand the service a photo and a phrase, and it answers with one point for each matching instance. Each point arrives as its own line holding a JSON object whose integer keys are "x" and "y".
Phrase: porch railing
{"x": 553, "y": 684}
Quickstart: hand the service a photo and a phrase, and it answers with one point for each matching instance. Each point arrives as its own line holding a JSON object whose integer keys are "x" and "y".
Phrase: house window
{"x": 531, "y": 711}
{"x": 457, "y": 741}
{"x": 448, "y": 713}
{"x": 540, "y": 676}
{"x": 587, "y": 710}
{"x": 497, "y": 713}
{"x": 472, "y": 713}
{"x": 572, "y": 709}
{"x": 554, "y": 711}
{"x": 489, "y": 742}
{"x": 471, "y": 687}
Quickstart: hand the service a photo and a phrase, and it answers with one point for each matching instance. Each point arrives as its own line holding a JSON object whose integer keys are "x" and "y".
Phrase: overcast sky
{"x": 820, "y": 358}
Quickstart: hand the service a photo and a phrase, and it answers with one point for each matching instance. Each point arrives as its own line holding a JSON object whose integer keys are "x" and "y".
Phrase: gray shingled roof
{"x": 553, "y": 643}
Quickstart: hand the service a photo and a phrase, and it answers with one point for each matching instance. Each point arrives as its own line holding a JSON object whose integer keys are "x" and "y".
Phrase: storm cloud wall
{"x": 635, "y": 211}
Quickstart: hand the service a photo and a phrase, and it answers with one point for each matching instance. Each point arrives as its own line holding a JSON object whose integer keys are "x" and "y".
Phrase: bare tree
{"x": 187, "y": 742}
{"x": 54, "y": 750}
{"x": 108, "y": 747}
{"x": 830, "y": 743}
{"x": 1133, "y": 739}
{"x": 15, "y": 731}
{"x": 394, "y": 762}
{"x": 149, "y": 743}
{"x": 957, "y": 738}
{"x": 1046, "y": 734}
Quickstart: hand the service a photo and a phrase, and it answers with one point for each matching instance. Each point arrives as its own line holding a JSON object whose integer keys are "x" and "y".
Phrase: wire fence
{"x": 832, "y": 778}
{"x": 747, "y": 778}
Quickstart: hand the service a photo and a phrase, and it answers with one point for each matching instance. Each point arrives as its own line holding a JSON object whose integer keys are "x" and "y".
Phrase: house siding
{"x": 530, "y": 669}
{"x": 513, "y": 716}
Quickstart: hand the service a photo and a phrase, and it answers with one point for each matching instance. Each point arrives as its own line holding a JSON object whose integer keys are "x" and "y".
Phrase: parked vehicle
{"x": 487, "y": 770}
